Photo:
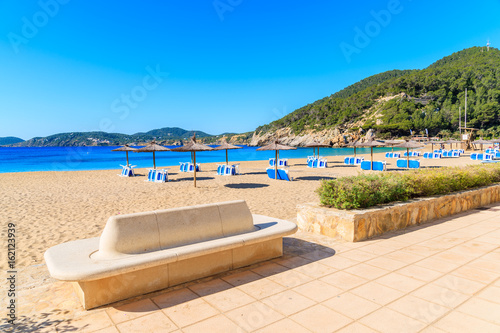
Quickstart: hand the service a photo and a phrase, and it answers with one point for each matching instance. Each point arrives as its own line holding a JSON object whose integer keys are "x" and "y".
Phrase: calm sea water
{"x": 21, "y": 159}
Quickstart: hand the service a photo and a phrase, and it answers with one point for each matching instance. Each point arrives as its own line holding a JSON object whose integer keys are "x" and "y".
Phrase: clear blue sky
{"x": 74, "y": 65}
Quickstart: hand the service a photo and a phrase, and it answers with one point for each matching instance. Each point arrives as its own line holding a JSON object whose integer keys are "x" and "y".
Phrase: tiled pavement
{"x": 440, "y": 277}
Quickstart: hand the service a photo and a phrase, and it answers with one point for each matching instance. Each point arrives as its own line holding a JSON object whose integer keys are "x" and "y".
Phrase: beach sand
{"x": 49, "y": 208}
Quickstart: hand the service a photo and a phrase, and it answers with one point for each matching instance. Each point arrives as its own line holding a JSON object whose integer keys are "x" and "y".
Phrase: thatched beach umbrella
{"x": 152, "y": 147}
{"x": 226, "y": 146}
{"x": 277, "y": 147}
{"x": 371, "y": 144}
{"x": 193, "y": 147}
{"x": 126, "y": 149}
{"x": 451, "y": 142}
{"x": 318, "y": 145}
{"x": 409, "y": 145}
{"x": 392, "y": 143}
{"x": 435, "y": 143}
{"x": 481, "y": 142}
{"x": 354, "y": 145}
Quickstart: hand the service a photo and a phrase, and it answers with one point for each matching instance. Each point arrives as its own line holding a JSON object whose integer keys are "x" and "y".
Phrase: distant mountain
{"x": 8, "y": 140}
{"x": 167, "y": 135}
{"x": 395, "y": 102}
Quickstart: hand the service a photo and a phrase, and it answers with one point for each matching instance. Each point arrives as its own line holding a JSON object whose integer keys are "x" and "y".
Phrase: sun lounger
{"x": 403, "y": 163}
{"x": 162, "y": 176}
{"x": 322, "y": 163}
{"x": 282, "y": 174}
{"x": 127, "y": 171}
{"x": 353, "y": 160}
{"x": 377, "y": 165}
{"x": 151, "y": 175}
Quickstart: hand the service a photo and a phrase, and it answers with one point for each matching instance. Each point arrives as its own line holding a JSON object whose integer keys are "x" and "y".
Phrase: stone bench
{"x": 144, "y": 252}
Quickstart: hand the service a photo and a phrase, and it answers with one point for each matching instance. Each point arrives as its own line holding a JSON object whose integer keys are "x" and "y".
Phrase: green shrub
{"x": 372, "y": 189}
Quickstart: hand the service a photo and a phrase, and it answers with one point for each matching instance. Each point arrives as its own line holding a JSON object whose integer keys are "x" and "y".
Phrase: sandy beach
{"x": 49, "y": 208}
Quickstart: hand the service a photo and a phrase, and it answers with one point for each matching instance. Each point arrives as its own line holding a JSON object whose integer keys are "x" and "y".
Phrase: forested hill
{"x": 394, "y": 102}
{"x": 167, "y": 135}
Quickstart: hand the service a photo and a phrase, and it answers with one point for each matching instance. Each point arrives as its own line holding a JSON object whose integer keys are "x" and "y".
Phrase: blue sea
{"x": 24, "y": 159}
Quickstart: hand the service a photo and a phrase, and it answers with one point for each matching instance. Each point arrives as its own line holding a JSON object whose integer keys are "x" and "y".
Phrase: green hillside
{"x": 429, "y": 99}
{"x": 167, "y": 135}
{"x": 8, "y": 140}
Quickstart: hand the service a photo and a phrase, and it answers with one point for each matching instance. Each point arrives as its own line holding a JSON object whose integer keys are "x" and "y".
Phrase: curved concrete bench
{"x": 144, "y": 252}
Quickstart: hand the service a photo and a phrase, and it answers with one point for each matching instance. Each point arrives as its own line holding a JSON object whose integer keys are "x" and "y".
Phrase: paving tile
{"x": 254, "y": 316}
{"x": 218, "y": 323}
{"x": 111, "y": 329}
{"x": 492, "y": 256}
{"x": 293, "y": 262}
{"x": 419, "y": 273}
{"x": 156, "y": 322}
{"x": 317, "y": 255}
{"x": 387, "y": 321}
{"x": 487, "y": 265}
{"x": 476, "y": 274}
{"x": 377, "y": 249}
{"x": 482, "y": 309}
{"x": 284, "y": 325}
{"x": 422, "y": 250}
{"x": 432, "y": 329}
{"x": 407, "y": 257}
{"x": 442, "y": 266}
{"x": 453, "y": 257}
{"x": 351, "y": 305}
{"x": 440, "y": 295}
{"x": 377, "y": 293}
{"x": 355, "y": 328}
{"x": 261, "y": 288}
{"x": 460, "y": 284}
{"x": 228, "y": 299}
{"x": 315, "y": 270}
{"x": 290, "y": 279}
{"x": 418, "y": 308}
{"x": 366, "y": 271}
{"x": 321, "y": 319}
{"x": 358, "y": 255}
{"x": 92, "y": 322}
{"x": 343, "y": 280}
{"x": 269, "y": 269}
{"x": 491, "y": 294}
{"x": 338, "y": 262}
{"x": 174, "y": 298}
{"x": 190, "y": 312}
{"x": 131, "y": 310}
{"x": 318, "y": 290}
{"x": 461, "y": 322}
{"x": 210, "y": 287}
{"x": 288, "y": 302}
{"x": 241, "y": 278}
{"x": 400, "y": 282}
{"x": 386, "y": 263}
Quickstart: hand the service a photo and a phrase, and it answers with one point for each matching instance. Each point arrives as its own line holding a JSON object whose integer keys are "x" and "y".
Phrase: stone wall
{"x": 357, "y": 225}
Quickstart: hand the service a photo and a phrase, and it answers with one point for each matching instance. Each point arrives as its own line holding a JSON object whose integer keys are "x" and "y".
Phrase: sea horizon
{"x": 81, "y": 158}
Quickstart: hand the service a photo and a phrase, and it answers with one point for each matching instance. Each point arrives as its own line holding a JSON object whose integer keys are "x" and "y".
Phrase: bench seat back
{"x": 163, "y": 229}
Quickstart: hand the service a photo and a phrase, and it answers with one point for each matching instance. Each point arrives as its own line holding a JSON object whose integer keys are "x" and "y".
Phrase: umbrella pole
{"x": 154, "y": 161}
{"x": 407, "y": 158}
{"x": 354, "y": 151}
{"x": 194, "y": 153}
{"x": 276, "y": 165}
{"x": 372, "y": 158}
{"x": 318, "y": 152}
{"x": 127, "y": 157}
{"x": 226, "y": 158}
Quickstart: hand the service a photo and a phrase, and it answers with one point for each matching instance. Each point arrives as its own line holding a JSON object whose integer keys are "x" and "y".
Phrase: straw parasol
{"x": 226, "y": 146}
{"x": 277, "y": 147}
{"x": 193, "y": 147}
{"x": 409, "y": 145}
{"x": 126, "y": 149}
{"x": 371, "y": 144}
{"x": 435, "y": 143}
{"x": 318, "y": 145}
{"x": 451, "y": 142}
{"x": 481, "y": 142}
{"x": 152, "y": 147}
{"x": 353, "y": 144}
{"x": 392, "y": 143}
